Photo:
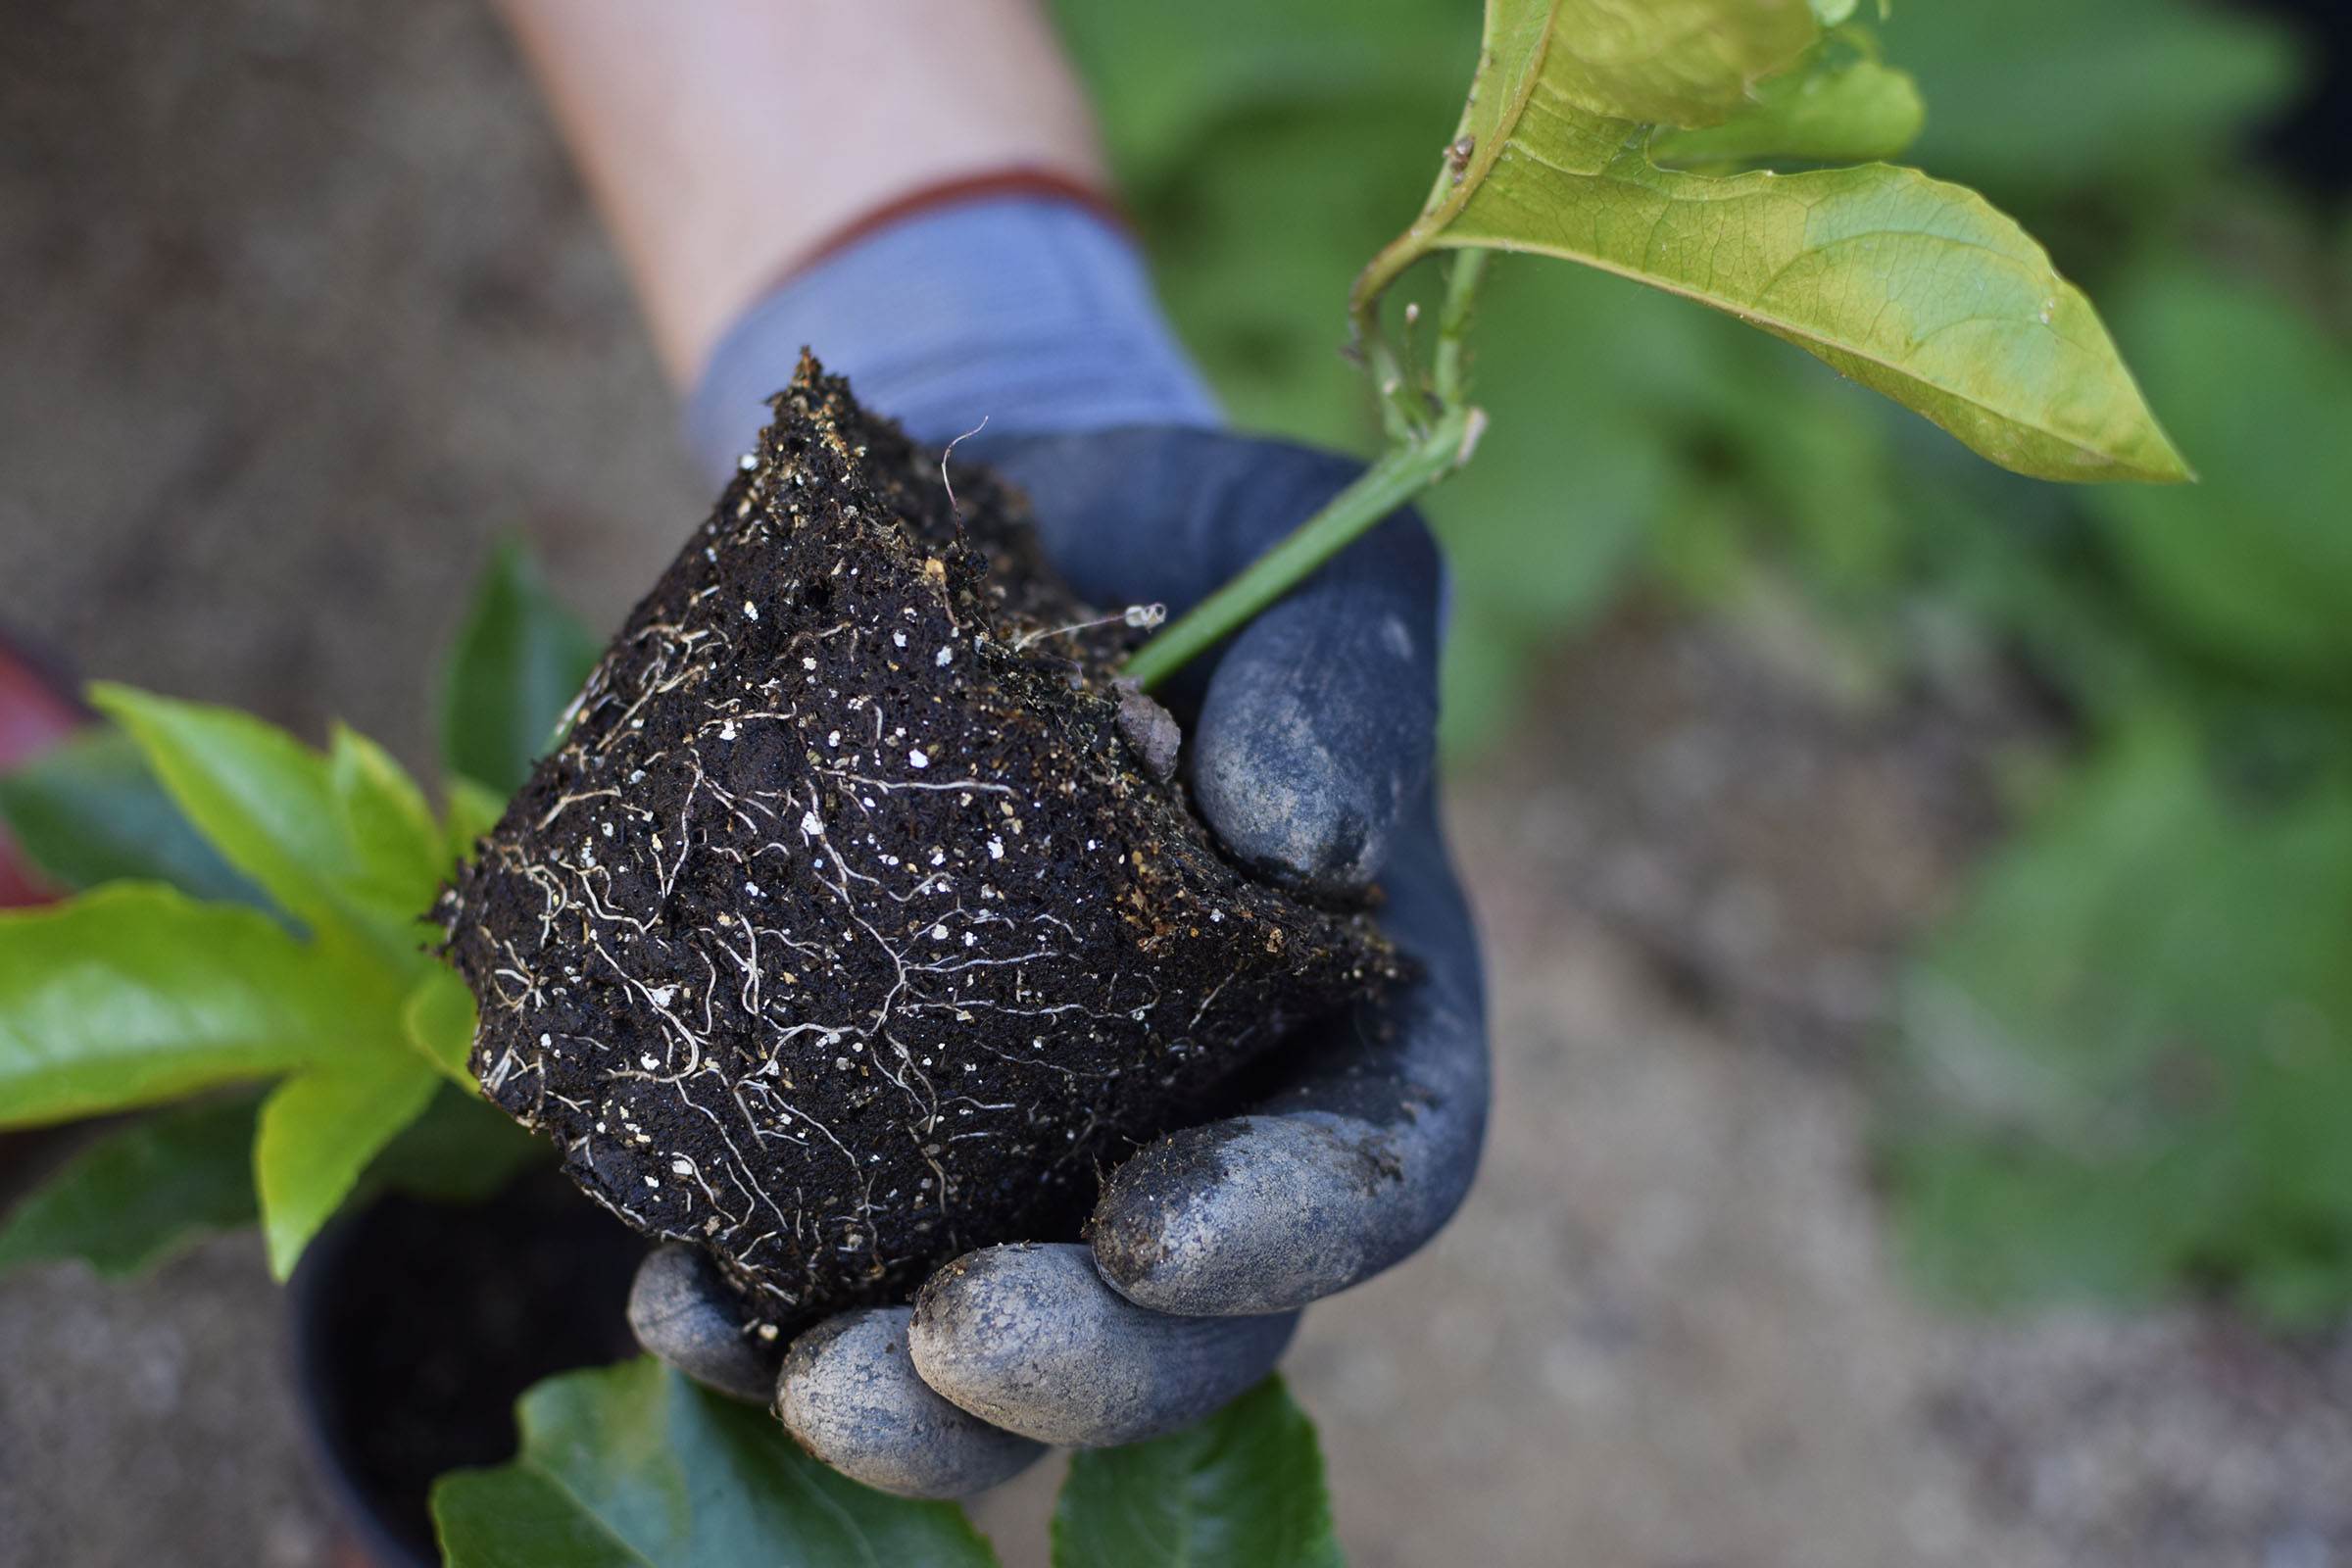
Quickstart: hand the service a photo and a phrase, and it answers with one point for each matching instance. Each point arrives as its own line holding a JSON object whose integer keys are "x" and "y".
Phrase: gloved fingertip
{"x": 1029, "y": 1338}
{"x": 682, "y": 1309}
{"x": 849, "y": 1394}
{"x": 1305, "y": 752}
{"x": 1258, "y": 1215}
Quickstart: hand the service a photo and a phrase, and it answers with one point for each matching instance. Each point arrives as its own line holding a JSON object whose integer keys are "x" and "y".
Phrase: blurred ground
{"x": 299, "y": 308}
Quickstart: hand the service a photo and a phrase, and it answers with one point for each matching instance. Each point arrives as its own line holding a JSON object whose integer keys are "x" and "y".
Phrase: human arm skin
{"x": 728, "y": 140}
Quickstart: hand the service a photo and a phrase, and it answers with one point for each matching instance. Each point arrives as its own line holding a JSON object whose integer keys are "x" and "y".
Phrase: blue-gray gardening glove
{"x": 1309, "y": 740}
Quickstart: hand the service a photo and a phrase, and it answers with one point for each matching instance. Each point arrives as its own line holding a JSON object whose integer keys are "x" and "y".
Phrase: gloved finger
{"x": 1319, "y": 727}
{"x": 1349, "y": 1169}
{"x": 1315, "y": 724}
{"x": 849, "y": 1394}
{"x": 1029, "y": 1338}
{"x": 682, "y": 1309}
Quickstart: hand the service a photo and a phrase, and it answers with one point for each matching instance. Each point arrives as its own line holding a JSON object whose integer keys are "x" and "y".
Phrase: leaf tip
{"x": 113, "y": 699}
{"x": 287, "y": 1243}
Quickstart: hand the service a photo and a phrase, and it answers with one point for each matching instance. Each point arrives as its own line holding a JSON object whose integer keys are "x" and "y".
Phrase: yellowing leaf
{"x": 1674, "y": 62}
{"x": 319, "y": 1131}
{"x": 1915, "y": 288}
{"x": 136, "y": 993}
{"x": 1666, "y": 62}
{"x": 1841, "y": 111}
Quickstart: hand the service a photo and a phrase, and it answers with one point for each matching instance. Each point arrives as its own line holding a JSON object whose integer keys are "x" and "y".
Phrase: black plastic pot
{"x": 417, "y": 1324}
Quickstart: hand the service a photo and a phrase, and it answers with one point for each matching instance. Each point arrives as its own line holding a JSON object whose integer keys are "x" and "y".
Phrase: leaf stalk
{"x": 1432, "y": 430}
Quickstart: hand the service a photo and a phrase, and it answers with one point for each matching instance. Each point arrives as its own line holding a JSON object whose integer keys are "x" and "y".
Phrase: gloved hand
{"x": 1310, "y": 739}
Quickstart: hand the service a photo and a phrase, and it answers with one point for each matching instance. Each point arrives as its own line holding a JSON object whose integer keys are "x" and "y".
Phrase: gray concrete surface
{"x": 299, "y": 308}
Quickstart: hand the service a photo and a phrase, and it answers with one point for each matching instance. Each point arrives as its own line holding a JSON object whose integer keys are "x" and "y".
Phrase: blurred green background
{"x": 2123, "y": 1062}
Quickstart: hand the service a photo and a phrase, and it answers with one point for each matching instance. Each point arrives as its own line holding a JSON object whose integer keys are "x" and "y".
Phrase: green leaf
{"x": 2124, "y": 1061}
{"x": 136, "y": 993}
{"x": 438, "y": 1019}
{"x": 142, "y": 1194}
{"x": 1242, "y": 1489}
{"x": 2253, "y": 566}
{"x": 1840, "y": 108}
{"x": 1917, "y": 289}
{"x": 390, "y": 829}
{"x": 636, "y": 1465}
{"x": 461, "y": 1150}
{"x": 319, "y": 1131}
{"x": 474, "y": 810}
{"x": 1663, "y": 62}
{"x": 518, "y": 662}
{"x": 88, "y": 811}
{"x": 326, "y": 839}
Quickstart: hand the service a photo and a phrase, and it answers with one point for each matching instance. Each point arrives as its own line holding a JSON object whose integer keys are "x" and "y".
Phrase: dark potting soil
{"x": 423, "y": 1323}
{"x": 846, "y": 929}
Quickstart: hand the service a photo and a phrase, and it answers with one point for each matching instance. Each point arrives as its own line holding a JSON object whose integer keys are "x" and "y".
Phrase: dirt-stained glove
{"x": 1310, "y": 740}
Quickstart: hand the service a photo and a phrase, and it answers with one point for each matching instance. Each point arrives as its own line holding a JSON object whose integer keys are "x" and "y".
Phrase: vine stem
{"x": 1432, "y": 430}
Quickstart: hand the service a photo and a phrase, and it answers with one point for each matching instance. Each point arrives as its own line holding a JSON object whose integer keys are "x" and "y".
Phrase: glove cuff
{"x": 1028, "y": 307}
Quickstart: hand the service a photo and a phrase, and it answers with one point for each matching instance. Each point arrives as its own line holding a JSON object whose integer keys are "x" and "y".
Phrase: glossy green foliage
{"x": 342, "y": 840}
{"x": 636, "y": 1465}
{"x": 1241, "y": 1488}
{"x": 2128, "y": 1058}
{"x": 438, "y": 1019}
{"x": 320, "y": 1129}
{"x": 142, "y": 1193}
{"x": 89, "y": 810}
{"x": 345, "y": 842}
{"x": 517, "y": 663}
{"x": 136, "y": 993}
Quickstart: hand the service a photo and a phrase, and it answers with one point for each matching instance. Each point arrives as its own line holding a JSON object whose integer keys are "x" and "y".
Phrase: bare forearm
{"x": 727, "y": 139}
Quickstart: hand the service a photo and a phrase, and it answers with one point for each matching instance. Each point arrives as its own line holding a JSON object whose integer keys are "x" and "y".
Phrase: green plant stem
{"x": 1432, "y": 431}
{"x": 1401, "y": 474}
{"x": 1392, "y": 392}
{"x": 1447, "y": 376}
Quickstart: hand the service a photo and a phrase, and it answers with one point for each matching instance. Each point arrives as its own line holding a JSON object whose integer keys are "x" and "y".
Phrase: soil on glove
{"x": 846, "y": 930}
